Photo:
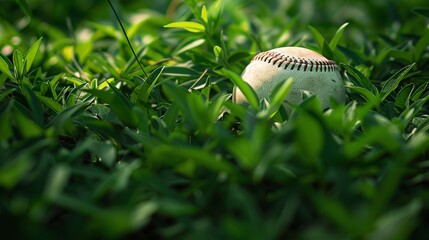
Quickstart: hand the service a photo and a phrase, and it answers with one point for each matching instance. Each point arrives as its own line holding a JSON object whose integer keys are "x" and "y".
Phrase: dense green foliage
{"x": 95, "y": 144}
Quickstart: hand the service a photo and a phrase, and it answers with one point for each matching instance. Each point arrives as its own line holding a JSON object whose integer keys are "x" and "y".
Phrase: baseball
{"x": 312, "y": 74}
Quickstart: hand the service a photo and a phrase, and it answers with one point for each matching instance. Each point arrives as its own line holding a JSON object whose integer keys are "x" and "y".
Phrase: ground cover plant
{"x": 99, "y": 140}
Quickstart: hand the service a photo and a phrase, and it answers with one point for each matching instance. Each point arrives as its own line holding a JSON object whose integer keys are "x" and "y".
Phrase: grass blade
{"x": 187, "y": 25}
{"x": 366, "y": 94}
{"x": 244, "y": 87}
{"x": 277, "y": 98}
{"x": 31, "y": 54}
{"x": 319, "y": 38}
{"x": 4, "y": 67}
{"x": 393, "y": 82}
{"x": 359, "y": 79}
{"x": 18, "y": 63}
{"x": 337, "y": 37}
{"x": 323, "y": 45}
{"x": 421, "y": 46}
{"x": 151, "y": 81}
{"x": 126, "y": 37}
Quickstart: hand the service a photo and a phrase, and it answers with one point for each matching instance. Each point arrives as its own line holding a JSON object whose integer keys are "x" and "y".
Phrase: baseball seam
{"x": 279, "y": 60}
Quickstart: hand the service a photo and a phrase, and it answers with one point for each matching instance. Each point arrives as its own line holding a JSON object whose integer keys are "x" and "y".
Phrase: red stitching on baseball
{"x": 307, "y": 64}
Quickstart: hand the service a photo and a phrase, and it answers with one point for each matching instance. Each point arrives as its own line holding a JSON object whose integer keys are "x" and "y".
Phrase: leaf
{"x": 105, "y": 83}
{"x": 323, "y": 45}
{"x": 4, "y": 67}
{"x": 191, "y": 104}
{"x": 6, "y": 93}
{"x": 151, "y": 81}
{"x": 178, "y": 155}
{"x": 405, "y": 56}
{"x": 277, "y": 98}
{"x": 359, "y": 79}
{"x": 398, "y": 223}
{"x": 402, "y": 99}
{"x": 187, "y": 25}
{"x": 58, "y": 179}
{"x": 31, "y": 54}
{"x": 119, "y": 104}
{"x": 417, "y": 145}
{"x": 103, "y": 151}
{"x": 122, "y": 99}
{"x": 319, "y": 38}
{"x": 366, "y": 94}
{"x": 5, "y": 121}
{"x": 142, "y": 212}
{"x": 142, "y": 52}
{"x": 337, "y": 212}
{"x": 52, "y": 104}
{"x": 171, "y": 115}
{"x": 103, "y": 62}
{"x": 25, "y": 8}
{"x": 143, "y": 91}
{"x": 28, "y": 127}
{"x": 83, "y": 49}
{"x": 176, "y": 207}
{"x": 409, "y": 113}
{"x": 215, "y": 12}
{"x": 419, "y": 92}
{"x": 393, "y": 82}
{"x": 422, "y": 11}
{"x": 66, "y": 115}
{"x": 14, "y": 170}
{"x": 421, "y": 45}
{"x": 244, "y": 87}
{"x": 74, "y": 80}
{"x": 19, "y": 64}
{"x": 337, "y": 36}
{"x": 217, "y": 51}
{"x": 204, "y": 14}
{"x": 181, "y": 71}
{"x": 34, "y": 103}
{"x": 188, "y": 46}
{"x": 309, "y": 137}
{"x": 237, "y": 56}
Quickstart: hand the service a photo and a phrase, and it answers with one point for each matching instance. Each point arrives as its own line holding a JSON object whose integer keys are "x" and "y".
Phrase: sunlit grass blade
{"x": 31, "y": 54}
{"x": 187, "y": 25}
{"x": 204, "y": 14}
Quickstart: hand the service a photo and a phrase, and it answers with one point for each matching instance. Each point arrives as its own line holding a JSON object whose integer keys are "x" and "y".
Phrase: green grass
{"x": 95, "y": 144}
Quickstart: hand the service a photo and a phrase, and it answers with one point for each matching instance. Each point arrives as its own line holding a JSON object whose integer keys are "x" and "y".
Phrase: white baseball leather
{"x": 311, "y": 72}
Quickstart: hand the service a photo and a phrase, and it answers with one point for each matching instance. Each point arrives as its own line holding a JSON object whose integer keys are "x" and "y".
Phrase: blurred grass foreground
{"x": 100, "y": 142}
